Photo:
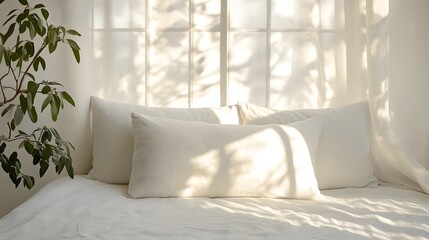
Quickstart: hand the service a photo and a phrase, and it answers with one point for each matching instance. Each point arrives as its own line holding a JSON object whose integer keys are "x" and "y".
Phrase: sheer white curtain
{"x": 399, "y": 80}
{"x": 278, "y": 53}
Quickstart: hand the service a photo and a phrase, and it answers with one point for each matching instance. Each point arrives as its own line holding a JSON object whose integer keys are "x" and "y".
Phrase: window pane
{"x": 170, "y": 14}
{"x": 332, "y": 14}
{"x": 248, "y": 13}
{"x": 206, "y": 84}
{"x": 119, "y": 14}
{"x": 169, "y": 73}
{"x": 295, "y": 14}
{"x": 207, "y": 14}
{"x": 247, "y": 68}
{"x": 120, "y": 65}
{"x": 295, "y": 70}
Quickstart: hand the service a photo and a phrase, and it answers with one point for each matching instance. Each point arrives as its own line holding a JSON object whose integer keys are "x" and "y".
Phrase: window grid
{"x": 224, "y": 29}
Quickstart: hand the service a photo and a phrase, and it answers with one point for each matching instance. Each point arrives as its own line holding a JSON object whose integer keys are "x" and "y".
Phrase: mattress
{"x": 88, "y": 209}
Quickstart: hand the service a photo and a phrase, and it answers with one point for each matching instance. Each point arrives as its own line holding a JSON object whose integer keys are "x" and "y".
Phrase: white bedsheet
{"x": 87, "y": 209}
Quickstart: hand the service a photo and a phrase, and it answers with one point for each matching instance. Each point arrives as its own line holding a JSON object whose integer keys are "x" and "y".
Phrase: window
{"x": 193, "y": 53}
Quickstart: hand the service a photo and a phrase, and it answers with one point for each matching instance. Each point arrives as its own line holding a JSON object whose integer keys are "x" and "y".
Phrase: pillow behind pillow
{"x": 193, "y": 159}
{"x": 113, "y": 140}
{"x": 344, "y": 150}
{"x": 253, "y": 114}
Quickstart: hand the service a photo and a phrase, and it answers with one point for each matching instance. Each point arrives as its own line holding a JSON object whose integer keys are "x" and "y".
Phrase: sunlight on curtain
{"x": 394, "y": 159}
{"x": 283, "y": 54}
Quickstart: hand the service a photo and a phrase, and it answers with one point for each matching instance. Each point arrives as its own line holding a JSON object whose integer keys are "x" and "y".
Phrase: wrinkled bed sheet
{"x": 87, "y": 209}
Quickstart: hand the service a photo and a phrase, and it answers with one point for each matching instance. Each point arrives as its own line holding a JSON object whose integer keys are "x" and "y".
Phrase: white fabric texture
{"x": 113, "y": 138}
{"x": 175, "y": 158}
{"x": 343, "y": 157}
{"x": 87, "y": 209}
{"x": 398, "y": 74}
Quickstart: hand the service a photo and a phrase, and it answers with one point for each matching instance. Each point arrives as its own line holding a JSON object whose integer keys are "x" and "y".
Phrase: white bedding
{"x": 87, "y": 209}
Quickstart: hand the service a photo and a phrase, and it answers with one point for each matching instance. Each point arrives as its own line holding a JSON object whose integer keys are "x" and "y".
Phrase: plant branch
{"x": 31, "y": 63}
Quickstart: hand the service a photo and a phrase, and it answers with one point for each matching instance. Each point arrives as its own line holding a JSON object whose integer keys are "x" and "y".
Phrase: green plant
{"x": 28, "y": 36}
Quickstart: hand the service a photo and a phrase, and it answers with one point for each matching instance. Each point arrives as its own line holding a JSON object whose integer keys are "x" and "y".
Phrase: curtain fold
{"x": 394, "y": 160}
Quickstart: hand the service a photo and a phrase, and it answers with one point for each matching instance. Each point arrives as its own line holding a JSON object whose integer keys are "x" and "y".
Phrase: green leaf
{"x": 58, "y": 100}
{"x": 2, "y": 159}
{"x": 32, "y": 31}
{"x": 46, "y": 89}
{"x": 55, "y": 84}
{"x": 28, "y": 181}
{"x": 7, "y": 109}
{"x": 43, "y": 63}
{"x": 44, "y": 165}
{"x": 46, "y": 136}
{"x": 9, "y": 32}
{"x": 73, "y": 32}
{"x": 55, "y": 133}
{"x": 29, "y": 147}
{"x": 29, "y": 101}
{"x": 36, "y": 23}
{"x": 33, "y": 114}
{"x": 76, "y": 55}
{"x": 23, "y": 27}
{"x": 32, "y": 87}
{"x": 39, "y": 6}
{"x": 61, "y": 165}
{"x": 18, "y": 116}
{"x": 12, "y": 124}
{"x": 8, "y": 20}
{"x": 55, "y": 107}
{"x": 73, "y": 44}
{"x": 23, "y": 2}
{"x": 70, "y": 170}
{"x": 2, "y": 148}
{"x": 68, "y": 98}
{"x": 2, "y": 50}
{"x": 52, "y": 47}
{"x": 36, "y": 157}
{"x": 47, "y": 100}
{"x": 13, "y": 158}
{"x": 21, "y": 17}
{"x": 29, "y": 47}
{"x": 12, "y": 11}
{"x": 31, "y": 76}
{"x": 45, "y": 13}
{"x": 23, "y": 103}
{"x": 17, "y": 182}
{"x": 36, "y": 64}
{"x": 47, "y": 153}
{"x": 6, "y": 167}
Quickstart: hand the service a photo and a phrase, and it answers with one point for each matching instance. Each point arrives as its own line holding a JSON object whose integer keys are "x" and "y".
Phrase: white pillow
{"x": 193, "y": 159}
{"x": 253, "y": 114}
{"x": 343, "y": 158}
{"x": 113, "y": 140}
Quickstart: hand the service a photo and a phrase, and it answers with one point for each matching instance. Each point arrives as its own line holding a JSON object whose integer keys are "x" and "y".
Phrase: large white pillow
{"x": 343, "y": 157}
{"x": 175, "y": 158}
{"x": 113, "y": 140}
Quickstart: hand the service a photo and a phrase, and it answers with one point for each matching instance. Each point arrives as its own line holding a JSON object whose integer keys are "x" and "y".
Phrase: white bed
{"x": 160, "y": 173}
{"x": 84, "y": 208}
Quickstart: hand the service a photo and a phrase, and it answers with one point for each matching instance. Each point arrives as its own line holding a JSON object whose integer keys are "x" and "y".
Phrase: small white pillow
{"x": 193, "y": 159}
{"x": 343, "y": 158}
{"x": 113, "y": 140}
